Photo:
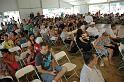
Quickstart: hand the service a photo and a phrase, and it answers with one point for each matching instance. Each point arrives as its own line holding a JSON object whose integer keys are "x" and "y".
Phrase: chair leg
{"x": 37, "y": 75}
{"x": 120, "y": 67}
{"x": 65, "y": 45}
{"x": 121, "y": 62}
{"x": 21, "y": 64}
{"x": 81, "y": 52}
{"x": 76, "y": 73}
{"x": 24, "y": 62}
{"x": 65, "y": 78}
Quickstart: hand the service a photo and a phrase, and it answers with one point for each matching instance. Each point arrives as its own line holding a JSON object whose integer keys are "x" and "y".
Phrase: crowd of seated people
{"x": 38, "y": 30}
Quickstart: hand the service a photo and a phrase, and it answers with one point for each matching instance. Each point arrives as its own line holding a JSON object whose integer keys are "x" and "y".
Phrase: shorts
{"x": 48, "y": 77}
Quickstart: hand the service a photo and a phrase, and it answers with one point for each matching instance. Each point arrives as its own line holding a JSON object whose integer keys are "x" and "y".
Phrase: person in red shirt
{"x": 10, "y": 60}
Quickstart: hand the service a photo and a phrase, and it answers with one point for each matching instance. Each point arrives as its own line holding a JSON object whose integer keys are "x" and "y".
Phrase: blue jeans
{"x": 48, "y": 77}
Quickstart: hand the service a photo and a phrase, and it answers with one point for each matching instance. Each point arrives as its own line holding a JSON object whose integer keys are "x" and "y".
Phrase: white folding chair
{"x": 26, "y": 70}
{"x": 15, "y": 49}
{"x": 121, "y": 49}
{"x": 24, "y": 45}
{"x": 70, "y": 66}
{"x": 7, "y": 77}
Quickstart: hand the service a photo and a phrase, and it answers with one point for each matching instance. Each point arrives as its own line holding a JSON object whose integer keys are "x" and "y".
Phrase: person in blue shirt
{"x": 46, "y": 65}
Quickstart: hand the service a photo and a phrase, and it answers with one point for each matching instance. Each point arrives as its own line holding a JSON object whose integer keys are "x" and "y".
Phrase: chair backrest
{"x": 36, "y": 80}
{"x": 20, "y": 73}
{"x": 14, "y": 49}
{"x": 28, "y": 69}
{"x": 23, "y": 54}
{"x": 121, "y": 47}
{"x": 59, "y": 55}
{"x": 24, "y": 45}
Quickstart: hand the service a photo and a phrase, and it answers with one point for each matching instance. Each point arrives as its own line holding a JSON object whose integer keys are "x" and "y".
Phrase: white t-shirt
{"x": 93, "y": 31}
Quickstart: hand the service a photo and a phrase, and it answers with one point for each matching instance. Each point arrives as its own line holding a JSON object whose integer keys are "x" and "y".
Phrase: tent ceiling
{"x": 79, "y": 2}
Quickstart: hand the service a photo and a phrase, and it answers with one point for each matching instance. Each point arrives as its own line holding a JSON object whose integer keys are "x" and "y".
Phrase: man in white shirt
{"x": 93, "y": 31}
{"x": 88, "y": 18}
{"x": 89, "y": 72}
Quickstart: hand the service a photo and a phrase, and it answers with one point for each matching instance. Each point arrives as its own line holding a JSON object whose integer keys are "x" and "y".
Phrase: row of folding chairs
{"x": 59, "y": 56}
{"x": 21, "y": 51}
{"x": 23, "y": 72}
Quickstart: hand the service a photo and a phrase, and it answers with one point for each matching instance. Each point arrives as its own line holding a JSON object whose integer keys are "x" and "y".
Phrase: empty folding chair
{"x": 121, "y": 49}
{"x": 25, "y": 71}
{"x": 70, "y": 66}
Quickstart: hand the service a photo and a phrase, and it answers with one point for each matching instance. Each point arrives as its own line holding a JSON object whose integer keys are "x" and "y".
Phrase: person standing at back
{"x": 88, "y": 18}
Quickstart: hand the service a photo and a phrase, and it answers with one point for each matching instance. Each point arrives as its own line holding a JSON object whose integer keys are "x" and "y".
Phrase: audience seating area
{"x": 19, "y": 49}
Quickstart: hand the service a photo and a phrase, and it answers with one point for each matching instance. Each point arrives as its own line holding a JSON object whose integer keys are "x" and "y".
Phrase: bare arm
{"x": 40, "y": 70}
{"x": 54, "y": 63}
{"x": 82, "y": 40}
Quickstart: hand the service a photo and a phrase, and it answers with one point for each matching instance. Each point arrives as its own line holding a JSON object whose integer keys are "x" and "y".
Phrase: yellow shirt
{"x": 8, "y": 44}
